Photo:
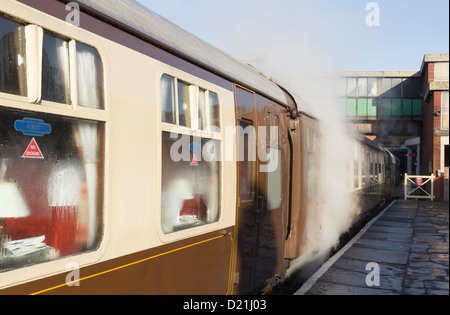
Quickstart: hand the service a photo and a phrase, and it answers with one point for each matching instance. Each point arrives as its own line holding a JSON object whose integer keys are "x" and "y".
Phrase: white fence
{"x": 419, "y": 187}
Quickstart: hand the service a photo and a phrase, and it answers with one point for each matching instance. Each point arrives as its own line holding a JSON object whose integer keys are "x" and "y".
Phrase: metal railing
{"x": 419, "y": 187}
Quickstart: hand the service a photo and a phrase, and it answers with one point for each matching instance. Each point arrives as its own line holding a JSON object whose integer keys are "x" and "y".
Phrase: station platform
{"x": 403, "y": 251}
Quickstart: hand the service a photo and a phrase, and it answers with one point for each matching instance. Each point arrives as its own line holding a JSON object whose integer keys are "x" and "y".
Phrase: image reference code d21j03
{"x": 230, "y": 305}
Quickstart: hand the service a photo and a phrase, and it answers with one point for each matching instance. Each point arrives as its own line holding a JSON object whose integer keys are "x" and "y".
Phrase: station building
{"x": 406, "y": 112}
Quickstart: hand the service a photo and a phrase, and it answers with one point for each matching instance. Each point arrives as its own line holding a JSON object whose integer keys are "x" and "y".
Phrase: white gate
{"x": 419, "y": 187}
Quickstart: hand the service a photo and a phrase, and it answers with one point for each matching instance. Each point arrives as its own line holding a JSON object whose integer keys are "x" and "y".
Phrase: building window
{"x": 372, "y": 107}
{"x": 351, "y": 107}
{"x": 444, "y": 110}
{"x": 12, "y": 58}
{"x": 362, "y": 107}
{"x": 411, "y": 87}
{"x": 401, "y": 107}
{"x": 398, "y": 97}
{"x": 391, "y": 87}
{"x": 417, "y": 107}
{"x": 441, "y": 71}
{"x": 407, "y": 107}
{"x": 396, "y": 107}
{"x": 373, "y": 87}
{"x": 352, "y": 87}
{"x": 362, "y": 87}
{"x": 386, "y": 107}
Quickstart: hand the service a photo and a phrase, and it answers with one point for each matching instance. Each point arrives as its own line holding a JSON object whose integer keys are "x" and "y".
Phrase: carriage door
{"x": 260, "y": 209}
{"x": 247, "y": 190}
{"x": 273, "y": 182}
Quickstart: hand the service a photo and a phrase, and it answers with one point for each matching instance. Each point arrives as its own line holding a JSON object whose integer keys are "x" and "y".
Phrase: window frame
{"x": 32, "y": 102}
{"x": 73, "y": 75}
{"x": 272, "y": 119}
{"x": 34, "y": 34}
{"x": 444, "y": 110}
{"x": 100, "y": 174}
{"x": 71, "y": 69}
{"x": 194, "y": 90}
{"x": 195, "y": 85}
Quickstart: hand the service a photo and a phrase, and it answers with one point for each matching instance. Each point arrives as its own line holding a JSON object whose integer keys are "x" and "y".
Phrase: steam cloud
{"x": 291, "y": 52}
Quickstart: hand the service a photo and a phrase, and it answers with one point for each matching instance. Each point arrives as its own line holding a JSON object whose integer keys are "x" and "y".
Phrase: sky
{"x": 324, "y": 35}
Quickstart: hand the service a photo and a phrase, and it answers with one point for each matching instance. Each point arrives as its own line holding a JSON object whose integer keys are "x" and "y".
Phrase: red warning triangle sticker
{"x": 194, "y": 161}
{"x": 33, "y": 151}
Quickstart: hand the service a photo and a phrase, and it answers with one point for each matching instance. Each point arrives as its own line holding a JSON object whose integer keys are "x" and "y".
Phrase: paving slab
{"x": 409, "y": 244}
{"x": 377, "y": 255}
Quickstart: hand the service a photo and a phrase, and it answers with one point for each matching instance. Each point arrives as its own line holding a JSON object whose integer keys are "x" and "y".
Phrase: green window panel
{"x": 417, "y": 107}
{"x": 362, "y": 107}
{"x": 351, "y": 107}
{"x": 396, "y": 107}
{"x": 386, "y": 107}
{"x": 342, "y": 103}
{"x": 372, "y": 107}
{"x": 407, "y": 107}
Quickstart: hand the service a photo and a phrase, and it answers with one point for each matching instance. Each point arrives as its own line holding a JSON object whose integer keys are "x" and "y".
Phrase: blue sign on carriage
{"x": 33, "y": 127}
{"x": 195, "y": 147}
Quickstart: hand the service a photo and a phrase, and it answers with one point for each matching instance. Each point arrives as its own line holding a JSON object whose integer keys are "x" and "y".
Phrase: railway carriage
{"x": 136, "y": 158}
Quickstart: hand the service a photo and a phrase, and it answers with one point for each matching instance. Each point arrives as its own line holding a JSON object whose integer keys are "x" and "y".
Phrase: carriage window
{"x": 274, "y": 179}
{"x": 190, "y": 182}
{"x": 176, "y": 107}
{"x": 355, "y": 167}
{"x": 184, "y": 108}
{"x": 274, "y": 163}
{"x": 365, "y": 168}
{"x": 191, "y": 166}
{"x": 168, "y": 99}
{"x": 311, "y": 173}
{"x": 50, "y": 178}
{"x": 208, "y": 104}
{"x": 12, "y": 58}
{"x": 310, "y": 139}
{"x": 247, "y": 156}
{"x": 55, "y": 70}
{"x": 202, "y": 119}
{"x": 214, "y": 110}
{"x": 89, "y": 77}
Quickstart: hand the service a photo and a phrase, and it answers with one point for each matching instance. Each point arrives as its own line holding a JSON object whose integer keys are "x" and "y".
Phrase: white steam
{"x": 289, "y": 52}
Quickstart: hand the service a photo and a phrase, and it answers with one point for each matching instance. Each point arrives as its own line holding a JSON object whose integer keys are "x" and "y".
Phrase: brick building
{"x": 405, "y": 111}
{"x": 435, "y": 91}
